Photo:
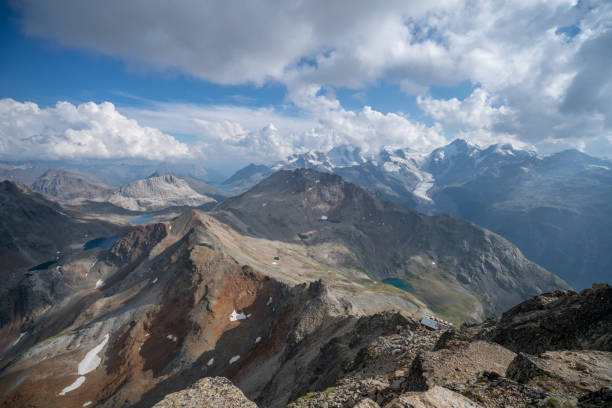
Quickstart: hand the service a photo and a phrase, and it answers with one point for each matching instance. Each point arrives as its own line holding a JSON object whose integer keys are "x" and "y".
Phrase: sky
{"x": 227, "y": 83}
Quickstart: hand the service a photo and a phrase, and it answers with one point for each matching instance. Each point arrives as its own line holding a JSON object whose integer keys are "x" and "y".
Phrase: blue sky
{"x": 227, "y": 85}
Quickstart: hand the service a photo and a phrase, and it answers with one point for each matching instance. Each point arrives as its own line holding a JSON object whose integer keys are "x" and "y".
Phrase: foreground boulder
{"x": 211, "y": 392}
{"x": 457, "y": 365}
{"x": 434, "y": 397}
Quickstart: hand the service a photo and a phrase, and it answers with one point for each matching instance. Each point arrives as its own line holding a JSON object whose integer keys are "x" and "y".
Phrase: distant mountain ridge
{"x": 158, "y": 191}
{"x": 113, "y": 172}
{"x": 555, "y": 208}
{"x": 64, "y": 185}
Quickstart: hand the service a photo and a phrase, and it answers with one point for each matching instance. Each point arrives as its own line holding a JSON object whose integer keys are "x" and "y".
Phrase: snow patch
{"x": 257, "y": 340}
{"x": 88, "y": 403}
{"x": 274, "y": 263}
{"x": 211, "y": 362}
{"x": 76, "y": 384}
{"x": 234, "y": 359}
{"x": 237, "y": 316}
{"x": 19, "y": 338}
{"x": 91, "y": 360}
{"x": 155, "y": 280}
{"x": 269, "y": 302}
{"x": 264, "y": 204}
{"x": 391, "y": 167}
{"x": 324, "y": 218}
{"x": 596, "y": 166}
{"x": 172, "y": 337}
{"x": 99, "y": 283}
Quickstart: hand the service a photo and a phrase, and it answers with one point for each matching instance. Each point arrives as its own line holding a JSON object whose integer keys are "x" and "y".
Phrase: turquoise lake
{"x": 398, "y": 283}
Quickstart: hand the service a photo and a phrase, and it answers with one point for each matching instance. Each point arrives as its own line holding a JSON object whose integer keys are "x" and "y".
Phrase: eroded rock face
{"x": 211, "y": 392}
{"x": 559, "y": 320}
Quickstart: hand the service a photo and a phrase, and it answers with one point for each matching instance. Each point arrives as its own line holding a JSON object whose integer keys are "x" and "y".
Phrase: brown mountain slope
{"x": 166, "y": 305}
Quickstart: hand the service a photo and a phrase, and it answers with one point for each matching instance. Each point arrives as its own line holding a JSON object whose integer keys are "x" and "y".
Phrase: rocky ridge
{"x": 413, "y": 367}
{"x": 462, "y": 370}
{"x": 166, "y": 305}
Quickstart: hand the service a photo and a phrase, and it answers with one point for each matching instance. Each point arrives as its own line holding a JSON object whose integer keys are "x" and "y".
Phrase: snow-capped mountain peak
{"x": 345, "y": 156}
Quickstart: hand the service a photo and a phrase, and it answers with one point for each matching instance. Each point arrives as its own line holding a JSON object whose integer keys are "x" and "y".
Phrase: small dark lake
{"x": 42, "y": 266}
{"x": 141, "y": 219}
{"x": 104, "y": 242}
{"x": 398, "y": 283}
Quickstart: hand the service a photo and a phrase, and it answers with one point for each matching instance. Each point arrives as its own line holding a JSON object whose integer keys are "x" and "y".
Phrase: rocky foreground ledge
{"x": 554, "y": 350}
{"x": 208, "y": 392}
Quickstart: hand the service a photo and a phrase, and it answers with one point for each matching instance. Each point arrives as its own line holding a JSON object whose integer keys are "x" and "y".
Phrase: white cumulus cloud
{"x": 88, "y": 130}
{"x": 545, "y": 62}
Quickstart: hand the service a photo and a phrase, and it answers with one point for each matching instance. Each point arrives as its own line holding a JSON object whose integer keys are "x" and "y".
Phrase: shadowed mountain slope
{"x": 450, "y": 264}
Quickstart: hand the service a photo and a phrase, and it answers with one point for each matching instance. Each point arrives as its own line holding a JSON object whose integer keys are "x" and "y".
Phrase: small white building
{"x": 435, "y": 324}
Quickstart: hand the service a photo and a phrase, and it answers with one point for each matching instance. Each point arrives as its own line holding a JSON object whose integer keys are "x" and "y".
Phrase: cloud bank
{"x": 84, "y": 131}
{"x": 539, "y": 69}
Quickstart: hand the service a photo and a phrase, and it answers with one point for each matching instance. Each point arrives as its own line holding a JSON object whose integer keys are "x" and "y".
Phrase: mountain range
{"x": 554, "y": 208}
{"x": 444, "y": 261}
{"x": 279, "y": 291}
{"x": 156, "y": 192}
{"x": 114, "y": 173}
{"x": 285, "y": 290}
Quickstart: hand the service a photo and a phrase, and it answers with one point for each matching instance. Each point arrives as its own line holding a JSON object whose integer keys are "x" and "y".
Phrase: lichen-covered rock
{"x": 457, "y": 365}
{"x": 599, "y": 398}
{"x": 366, "y": 403}
{"x": 434, "y": 397}
{"x": 571, "y": 373}
{"x": 210, "y": 392}
{"x": 559, "y": 320}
